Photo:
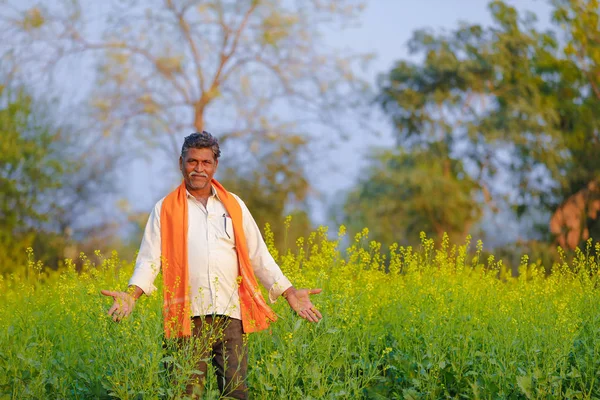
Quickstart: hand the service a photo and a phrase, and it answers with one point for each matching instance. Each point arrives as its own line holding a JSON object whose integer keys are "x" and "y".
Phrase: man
{"x": 210, "y": 250}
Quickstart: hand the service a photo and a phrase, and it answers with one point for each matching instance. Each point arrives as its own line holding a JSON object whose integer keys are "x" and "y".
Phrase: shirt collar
{"x": 213, "y": 192}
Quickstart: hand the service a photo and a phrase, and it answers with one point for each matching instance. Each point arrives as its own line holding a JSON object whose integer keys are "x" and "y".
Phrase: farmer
{"x": 211, "y": 252}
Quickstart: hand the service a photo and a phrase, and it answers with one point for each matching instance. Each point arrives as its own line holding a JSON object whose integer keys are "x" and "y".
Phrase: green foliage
{"x": 32, "y": 19}
{"x": 433, "y": 322}
{"x": 507, "y": 98}
{"x": 30, "y": 169}
{"x": 275, "y": 188}
{"x": 486, "y": 88}
{"x": 405, "y": 193}
{"x": 580, "y": 84}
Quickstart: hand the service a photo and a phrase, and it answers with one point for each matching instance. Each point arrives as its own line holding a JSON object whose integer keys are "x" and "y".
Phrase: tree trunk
{"x": 569, "y": 221}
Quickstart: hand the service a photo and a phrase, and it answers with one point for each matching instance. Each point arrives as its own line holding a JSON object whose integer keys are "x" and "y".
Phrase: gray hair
{"x": 202, "y": 140}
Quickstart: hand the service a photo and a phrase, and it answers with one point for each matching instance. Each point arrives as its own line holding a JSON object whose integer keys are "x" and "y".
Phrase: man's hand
{"x": 122, "y": 306}
{"x": 300, "y": 302}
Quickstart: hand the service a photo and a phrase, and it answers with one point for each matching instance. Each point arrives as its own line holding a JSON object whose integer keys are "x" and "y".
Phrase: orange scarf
{"x": 256, "y": 314}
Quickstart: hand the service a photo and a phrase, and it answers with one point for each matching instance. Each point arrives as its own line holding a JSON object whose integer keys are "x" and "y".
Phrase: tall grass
{"x": 429, "y": 322}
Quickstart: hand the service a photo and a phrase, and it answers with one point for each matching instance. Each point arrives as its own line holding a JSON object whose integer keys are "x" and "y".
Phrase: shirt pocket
{"x": 226, "y": 229}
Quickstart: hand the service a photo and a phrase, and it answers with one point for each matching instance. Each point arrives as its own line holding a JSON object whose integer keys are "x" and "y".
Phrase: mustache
{"x": 202, "y": 174}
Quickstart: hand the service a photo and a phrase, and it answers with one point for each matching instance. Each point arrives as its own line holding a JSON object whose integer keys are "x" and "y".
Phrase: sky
{"x": 383, "y": 29}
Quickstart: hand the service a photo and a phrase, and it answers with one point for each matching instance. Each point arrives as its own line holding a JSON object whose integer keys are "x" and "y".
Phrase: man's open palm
{"x": 122, "y": 306}
{"x": 299, "y": 300}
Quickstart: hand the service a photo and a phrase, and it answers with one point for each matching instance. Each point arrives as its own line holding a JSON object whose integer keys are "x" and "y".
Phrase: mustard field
{"x": 432, "y": 322}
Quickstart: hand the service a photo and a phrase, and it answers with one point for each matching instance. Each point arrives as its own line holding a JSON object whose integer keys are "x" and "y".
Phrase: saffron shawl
{"x": 256, "y": 314}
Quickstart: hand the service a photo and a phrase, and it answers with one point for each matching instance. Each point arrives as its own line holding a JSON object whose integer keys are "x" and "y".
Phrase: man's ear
{"x": 180, "y": 163}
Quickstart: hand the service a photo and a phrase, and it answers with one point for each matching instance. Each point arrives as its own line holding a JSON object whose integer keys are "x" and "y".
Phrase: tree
{"x": 406, "y": 193}
{"x": 253, "y": 72}
{"x": 54, "y": 180}
{"x": 576, "y": 218}
{"x": 505, "y": 102}
{"x": 275, "y": 191}
{"x": 29, "y": 169}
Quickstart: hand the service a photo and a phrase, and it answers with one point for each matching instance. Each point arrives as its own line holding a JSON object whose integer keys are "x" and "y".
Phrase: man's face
{"x": 198, "y": 167}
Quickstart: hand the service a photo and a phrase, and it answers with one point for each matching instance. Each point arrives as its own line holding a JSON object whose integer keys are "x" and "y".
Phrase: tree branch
{"x": 185, "y": 29}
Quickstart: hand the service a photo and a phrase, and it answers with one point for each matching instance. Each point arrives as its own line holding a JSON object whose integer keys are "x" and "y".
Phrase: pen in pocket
{"x": 225, "y": 225}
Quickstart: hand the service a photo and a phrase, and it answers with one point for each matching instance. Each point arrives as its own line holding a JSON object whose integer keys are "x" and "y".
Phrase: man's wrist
{"x": 134, "y": 291}
{"x": 287, "y": 292}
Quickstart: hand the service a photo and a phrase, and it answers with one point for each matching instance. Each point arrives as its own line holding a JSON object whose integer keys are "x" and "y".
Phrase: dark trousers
{"x": 227, "y": 352}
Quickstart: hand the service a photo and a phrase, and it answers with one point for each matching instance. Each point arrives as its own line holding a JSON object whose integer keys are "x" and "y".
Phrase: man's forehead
{"x": 203, "y": 153}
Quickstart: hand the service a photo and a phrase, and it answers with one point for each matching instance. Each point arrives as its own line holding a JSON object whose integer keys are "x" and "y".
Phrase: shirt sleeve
{"x": 147, "y": 264}
{"x": 265, "y": 268}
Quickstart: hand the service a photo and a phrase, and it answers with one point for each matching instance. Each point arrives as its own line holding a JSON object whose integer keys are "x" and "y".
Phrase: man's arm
{"x": 146, "y": 269}
{"x": 147, "y": 264}
{"x": 265, "y": 268}
{"x": 270, "y": 275}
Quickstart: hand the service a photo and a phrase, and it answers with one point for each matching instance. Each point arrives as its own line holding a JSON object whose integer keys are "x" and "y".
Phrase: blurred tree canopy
{"x": 30, "y": 169}
{"x": 274, "y": 191}
{"x": 405, "y": 193}
{"x": 506, "y": 100}
{"x": 50, "y": 180}
{"x": 577, "y": 217}
{"x": 489, "y": 117}
{"x": 254, "y": 73}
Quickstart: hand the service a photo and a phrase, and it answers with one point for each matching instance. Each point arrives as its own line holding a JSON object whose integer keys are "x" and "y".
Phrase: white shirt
{"x": 212, "y": 258}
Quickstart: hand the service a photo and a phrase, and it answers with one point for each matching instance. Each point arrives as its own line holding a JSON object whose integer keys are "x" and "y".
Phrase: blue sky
{"x": 384, "y": 30}
{"x": 387, "y": 25}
